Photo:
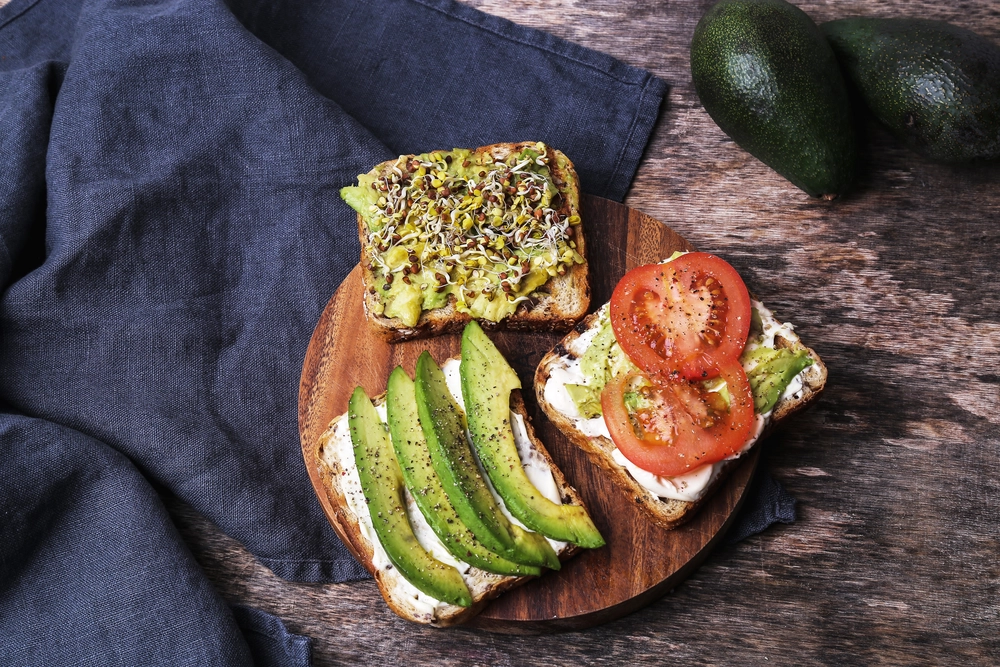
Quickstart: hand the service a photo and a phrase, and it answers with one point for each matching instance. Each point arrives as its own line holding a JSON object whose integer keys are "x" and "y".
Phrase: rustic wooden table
{"x": 894, "y": 557}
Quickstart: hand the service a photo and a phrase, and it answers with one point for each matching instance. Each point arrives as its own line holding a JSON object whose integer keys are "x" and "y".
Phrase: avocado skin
{"x": 768, "y": 78}
{"x": 934, "y": 85}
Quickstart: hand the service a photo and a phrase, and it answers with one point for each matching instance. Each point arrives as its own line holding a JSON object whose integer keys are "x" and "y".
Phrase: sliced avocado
{"x": 455, "y": 465}
{"x": 774, "y": 369}
{"x": 586, "y": 398}
{"x": 410, "y": 446}
{"x": 487, "y": 380}
{"x": 382, "y": 485}
{"x": 756, "y": 325}
{"x": 767, "y": 77}
{"x": 594, "y": 362}
{"x": 936, "y": 86}
{"x": 598, "y": 364}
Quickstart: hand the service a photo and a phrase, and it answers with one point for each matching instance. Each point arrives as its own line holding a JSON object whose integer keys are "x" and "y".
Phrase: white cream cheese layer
{"x": 568, "y": 371}
{"x": 340, "y": 450}
{"x": 688, "y": 487}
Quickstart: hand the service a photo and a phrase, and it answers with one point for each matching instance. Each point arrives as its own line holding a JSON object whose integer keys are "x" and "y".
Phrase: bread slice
{"x": 555, "y": 306}
{"x": 666, "y": 512}
{"x": 399, "y": 594}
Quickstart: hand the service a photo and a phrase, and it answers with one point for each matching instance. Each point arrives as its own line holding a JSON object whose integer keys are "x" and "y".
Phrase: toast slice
{"x": 665, "y": 511}
{"x": 556, "y": 305}
{"x": 353, "y": 524}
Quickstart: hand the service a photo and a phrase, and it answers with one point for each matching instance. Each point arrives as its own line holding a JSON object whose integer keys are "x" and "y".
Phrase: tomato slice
{"x": 675, "y": 426}
{"x": 683, "y": 318}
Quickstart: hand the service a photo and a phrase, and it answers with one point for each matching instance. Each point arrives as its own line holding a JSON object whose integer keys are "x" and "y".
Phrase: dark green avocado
{"x": 934, "y": 85}
{"x": 768, "y": 78}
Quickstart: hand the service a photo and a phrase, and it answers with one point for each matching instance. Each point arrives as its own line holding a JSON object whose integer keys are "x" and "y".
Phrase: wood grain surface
{"x": 640, "y": 562}
{"x": 893, "y": 559}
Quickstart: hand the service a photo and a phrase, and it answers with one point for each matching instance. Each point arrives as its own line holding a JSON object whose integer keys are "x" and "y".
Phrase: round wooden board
{"x": 640, "y": 562}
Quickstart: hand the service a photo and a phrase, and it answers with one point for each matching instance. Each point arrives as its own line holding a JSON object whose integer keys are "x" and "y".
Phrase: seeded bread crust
{"x": 556, "y": 306}
{"x": 664, "y": 512}
{"x": 484, "y": 586}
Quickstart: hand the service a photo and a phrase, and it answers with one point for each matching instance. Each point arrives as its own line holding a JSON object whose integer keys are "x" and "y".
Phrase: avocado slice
{"x": 774, "y": 370}
{"x": 768, "y": 78}
{"x": 595, "y": 364}
{"x": 453, "y": 461}
{"x": 487, "y": 380}
{"x": 410, "y": 446}
{"x": 382, "y": 485}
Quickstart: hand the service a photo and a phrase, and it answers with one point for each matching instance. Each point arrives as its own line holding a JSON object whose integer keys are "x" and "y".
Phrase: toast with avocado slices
{"x": 491, "y": 234}
{"x": 415, "y": 503}
{"x": 783, "y": 377}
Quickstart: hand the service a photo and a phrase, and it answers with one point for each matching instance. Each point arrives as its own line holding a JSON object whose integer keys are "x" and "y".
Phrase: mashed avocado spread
{"x": 459, "y": 224}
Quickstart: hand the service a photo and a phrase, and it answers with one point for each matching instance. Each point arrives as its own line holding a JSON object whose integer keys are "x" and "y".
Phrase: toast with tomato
{"x": 674, "y": 379}
{"x": 491, "y": 234}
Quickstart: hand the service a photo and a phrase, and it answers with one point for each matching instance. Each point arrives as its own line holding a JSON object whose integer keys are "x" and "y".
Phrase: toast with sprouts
{"x": 492, "y": 234}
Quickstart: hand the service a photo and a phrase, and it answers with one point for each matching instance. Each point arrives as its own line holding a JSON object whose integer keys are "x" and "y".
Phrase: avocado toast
{"x": 492, "y": 234}
{"x": 433, "y": 531}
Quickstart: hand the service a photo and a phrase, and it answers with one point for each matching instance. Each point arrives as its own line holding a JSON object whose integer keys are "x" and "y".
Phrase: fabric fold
{"x": 27, "y": 98}
{"x": 92, "y": 570}
{"x": 270, "y": 641}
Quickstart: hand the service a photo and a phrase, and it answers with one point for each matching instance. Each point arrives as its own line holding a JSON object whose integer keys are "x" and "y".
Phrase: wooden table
{"x": 894, "y": 558}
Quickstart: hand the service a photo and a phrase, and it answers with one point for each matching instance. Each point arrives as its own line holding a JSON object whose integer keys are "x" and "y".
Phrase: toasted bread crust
{"x": 664, "y": 512}
{"x": 557, "y": 306}
{"x": 484, "y": 586}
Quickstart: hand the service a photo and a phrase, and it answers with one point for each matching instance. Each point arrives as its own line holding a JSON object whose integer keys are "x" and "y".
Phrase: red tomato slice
{"x": 679, "y": 425}
{"x": 686, "y": 317}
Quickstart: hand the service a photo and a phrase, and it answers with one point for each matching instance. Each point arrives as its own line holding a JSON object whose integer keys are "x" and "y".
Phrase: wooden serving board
{"x": 640, "y": 562}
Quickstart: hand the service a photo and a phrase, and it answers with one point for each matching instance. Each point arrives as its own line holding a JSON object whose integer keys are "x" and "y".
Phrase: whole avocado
{"x": 935, "y": 85}
{"x": 768, "y": 78}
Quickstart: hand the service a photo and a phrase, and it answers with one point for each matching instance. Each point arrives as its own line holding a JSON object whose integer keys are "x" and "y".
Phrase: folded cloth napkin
{"x": 767, "y": 503}
{"x": 170, "y": 230}
{"x": 270, "y": 642}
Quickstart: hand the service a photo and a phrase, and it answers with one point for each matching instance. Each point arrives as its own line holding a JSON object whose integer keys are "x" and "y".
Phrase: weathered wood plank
{"x": 894, "y": 557}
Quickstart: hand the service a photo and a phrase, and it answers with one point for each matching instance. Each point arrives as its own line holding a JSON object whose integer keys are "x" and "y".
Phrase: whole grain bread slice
{"x": 665, "y": 512}
{"x": 556, "y": 306}
{"x": 484, "y": 586}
